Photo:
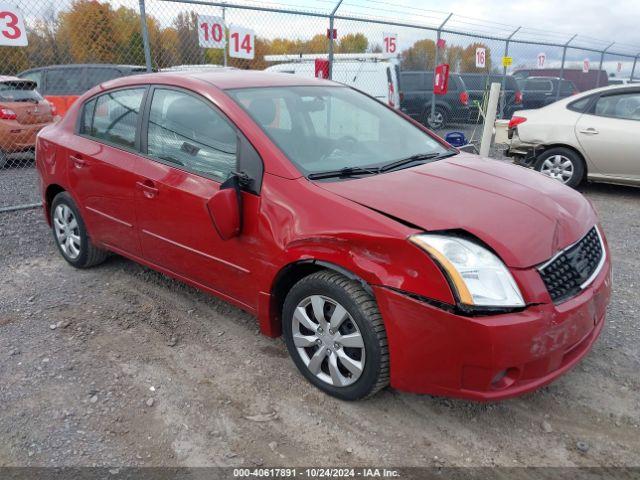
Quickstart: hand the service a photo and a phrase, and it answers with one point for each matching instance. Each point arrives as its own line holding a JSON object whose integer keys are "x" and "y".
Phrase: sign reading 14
{"x": 211, "y": 35}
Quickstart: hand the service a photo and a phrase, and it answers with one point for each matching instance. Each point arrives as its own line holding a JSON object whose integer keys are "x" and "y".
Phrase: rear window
{"x": 411, "y": 81}
{"x": 19, "y": 92}
{"x": 474, "y": 82}
{"x": 567, "y": 88}
{"x": 534, "y": 85}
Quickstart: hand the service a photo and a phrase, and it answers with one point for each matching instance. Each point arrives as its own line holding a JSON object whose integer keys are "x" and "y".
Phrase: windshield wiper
{"x": 343, "y": 173}
{"x": 420, "y": 157}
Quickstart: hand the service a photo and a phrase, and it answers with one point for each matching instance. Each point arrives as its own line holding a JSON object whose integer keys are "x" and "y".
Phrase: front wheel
{"x": 561, "y": 164}
{"x": 70, "y": 234}
{"x": 335, "y": 336}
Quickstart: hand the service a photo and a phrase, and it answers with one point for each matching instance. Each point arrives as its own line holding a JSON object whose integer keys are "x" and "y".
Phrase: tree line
{"x": 90, "y": 31}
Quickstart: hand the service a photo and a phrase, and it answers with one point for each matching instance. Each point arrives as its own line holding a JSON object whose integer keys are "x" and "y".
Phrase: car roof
{"x": 224, "y": 79}
{"x": 90, "y": 65}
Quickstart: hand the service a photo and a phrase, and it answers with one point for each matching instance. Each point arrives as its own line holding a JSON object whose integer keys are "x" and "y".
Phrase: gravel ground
{"x": 18, "y": 184}
{"x": 119, "y": 365}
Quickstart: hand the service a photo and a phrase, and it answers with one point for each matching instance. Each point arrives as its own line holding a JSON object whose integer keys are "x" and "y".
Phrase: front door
{"x": 609, "y": 135}
{"x": 190, "y": 150}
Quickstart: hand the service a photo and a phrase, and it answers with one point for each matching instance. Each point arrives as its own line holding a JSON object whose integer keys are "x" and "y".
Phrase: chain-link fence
{"x": 60, "y": 49}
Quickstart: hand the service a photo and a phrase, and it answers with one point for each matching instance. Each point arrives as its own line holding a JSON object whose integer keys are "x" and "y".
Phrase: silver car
{"x": 594, "y": 135}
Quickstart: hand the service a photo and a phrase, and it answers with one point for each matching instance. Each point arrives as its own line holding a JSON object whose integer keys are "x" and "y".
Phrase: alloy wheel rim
{"x": 558, "y": 167}
{"x": 328, "y": 341}
{"x": 436, "y": 120}
{"x": 67, "y": 231}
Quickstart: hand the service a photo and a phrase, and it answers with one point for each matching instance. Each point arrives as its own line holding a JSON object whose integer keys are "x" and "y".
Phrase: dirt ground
{"x": 119, "y": 365}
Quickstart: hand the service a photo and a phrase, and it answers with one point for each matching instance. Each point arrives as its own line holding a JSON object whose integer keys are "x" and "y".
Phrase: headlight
{"x": 478, "y": 276}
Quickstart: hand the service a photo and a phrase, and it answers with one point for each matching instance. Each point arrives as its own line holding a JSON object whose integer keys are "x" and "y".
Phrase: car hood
{"x": 523, "y": 215}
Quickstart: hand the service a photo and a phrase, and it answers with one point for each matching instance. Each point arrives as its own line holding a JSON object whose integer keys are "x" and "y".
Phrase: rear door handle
{"x": 77, "y": 161}
{"x": 148, "y": 188}
{"x": 589, "y": 131}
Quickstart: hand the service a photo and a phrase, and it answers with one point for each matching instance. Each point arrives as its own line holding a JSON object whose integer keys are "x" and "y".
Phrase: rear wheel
{"x": 70, "y": 234}
{"x": 561, "y": 164}
{"x": 335, "y": 336}
{"x": 436, "y": 121}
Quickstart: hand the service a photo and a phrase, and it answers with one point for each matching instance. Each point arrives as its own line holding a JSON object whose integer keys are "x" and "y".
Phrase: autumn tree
{"x": 420, "y": 56}
{"x": 452, "y": 55}
{"x": 353, "y": 43}
{"x": 89, "y": 27}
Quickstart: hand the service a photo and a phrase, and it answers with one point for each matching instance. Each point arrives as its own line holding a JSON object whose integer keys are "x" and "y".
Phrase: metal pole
{"x": 145, "y": 36}
{"x": 633, "y": 69}
{"x": 435, "y": 64}
{"x": 504, "y": 72}
{"x": 224, "y": 22}
{"x": 331, "y": 18}
{"x": 602, "y": 60}
{"x": 564, "y": 57}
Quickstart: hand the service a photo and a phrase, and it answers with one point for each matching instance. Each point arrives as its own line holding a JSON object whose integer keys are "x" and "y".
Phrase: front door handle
{"x": 77, "y": 161}
{"x": 589, "y": 131}
{"x": 148, "y": 188}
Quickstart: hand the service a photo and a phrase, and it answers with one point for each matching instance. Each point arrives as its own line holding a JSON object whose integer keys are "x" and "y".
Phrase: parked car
{"x": 582, "y": 80}
{"x": 478, "y": 85}
{"x": 63, "y": 84}
{"x": 371, "y": 74}
{"x": 593, "y": 136}
{"x": 417, "y": 92}
{"x": 541, "y": 91}
{"x": 23, "y": 113}
{"x": 381, "y": 253}
{"x": 622, "y": 81}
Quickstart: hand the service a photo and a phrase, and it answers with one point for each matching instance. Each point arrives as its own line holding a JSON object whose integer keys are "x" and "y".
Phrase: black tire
{"x": 363, "y": 310}
{"x": 440, "y": 120}
{"x": 563, "y": 154}
{"x": 89, "y": 255}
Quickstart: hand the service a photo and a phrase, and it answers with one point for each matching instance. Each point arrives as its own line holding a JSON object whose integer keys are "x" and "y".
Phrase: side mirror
{"x": 225, "y": 208}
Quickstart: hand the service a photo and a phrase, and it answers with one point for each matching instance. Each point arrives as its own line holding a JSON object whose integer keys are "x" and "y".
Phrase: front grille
{"x": 565, "y": 275}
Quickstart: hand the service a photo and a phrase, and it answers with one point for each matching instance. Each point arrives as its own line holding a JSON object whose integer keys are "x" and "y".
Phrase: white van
{"x": 370, "y": 73}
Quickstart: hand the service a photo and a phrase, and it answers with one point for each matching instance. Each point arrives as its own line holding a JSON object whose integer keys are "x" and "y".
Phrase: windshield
{"x": 19, "y": 92}
{"x": 331, "y": 128}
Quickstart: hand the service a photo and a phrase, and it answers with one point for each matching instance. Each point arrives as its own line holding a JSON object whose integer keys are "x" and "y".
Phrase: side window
{"x": 87, "y": 117}
{"x": 116, "y": 116}
{"x": 188, "y": 132}
{"x": 580, "y": 105}
{"x": 96, "y": 75}
{"x": 625, "y": 106}
{"x": 65, "y": 81}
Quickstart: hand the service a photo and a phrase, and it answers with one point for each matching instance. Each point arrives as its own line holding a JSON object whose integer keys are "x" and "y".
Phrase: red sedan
{"x": 381, "y": 253}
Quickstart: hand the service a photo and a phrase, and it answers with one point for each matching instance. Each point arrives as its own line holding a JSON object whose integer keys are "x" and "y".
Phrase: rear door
{"x": 190, "y": 149}
{"x": 609, "y": 134}
{"x": 101, "y": 159}
{"x": 538, "y": 92}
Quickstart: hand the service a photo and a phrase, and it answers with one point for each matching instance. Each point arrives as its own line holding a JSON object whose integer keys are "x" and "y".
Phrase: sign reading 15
{"x": 12, "y": 31}
{"x": 390, "y": 42}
